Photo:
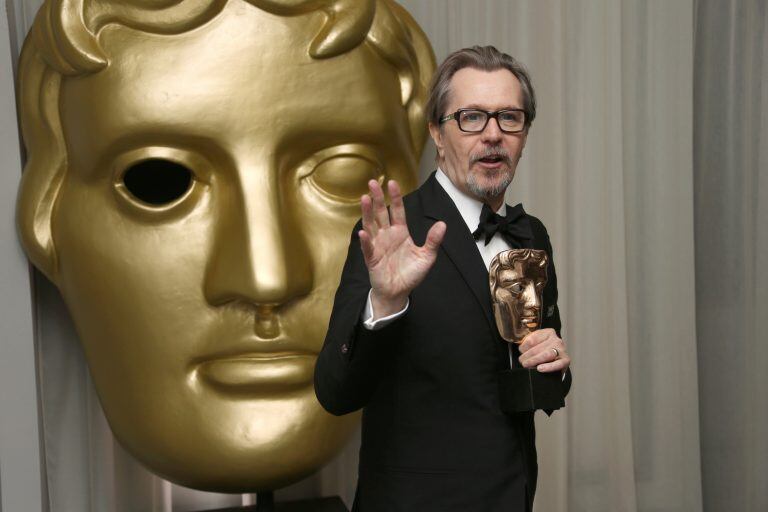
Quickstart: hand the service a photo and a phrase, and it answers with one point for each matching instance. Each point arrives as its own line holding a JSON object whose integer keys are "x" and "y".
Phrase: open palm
{"x": 395, "y": 264}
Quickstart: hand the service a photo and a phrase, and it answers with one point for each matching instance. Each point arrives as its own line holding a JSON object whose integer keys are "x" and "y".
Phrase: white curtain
{"x": 609, "y": 168}
{"x": 731, "y": 199}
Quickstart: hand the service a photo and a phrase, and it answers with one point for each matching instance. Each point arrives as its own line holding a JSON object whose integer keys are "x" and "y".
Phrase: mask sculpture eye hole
{"x": 157, "y": 181}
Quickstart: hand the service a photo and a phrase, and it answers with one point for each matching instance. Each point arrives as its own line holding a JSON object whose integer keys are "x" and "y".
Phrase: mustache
{"x": 491, "y": 151}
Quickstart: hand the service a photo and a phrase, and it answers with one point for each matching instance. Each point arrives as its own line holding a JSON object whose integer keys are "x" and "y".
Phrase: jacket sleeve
{"x": 551, "y": 311}
{"x": 353, "y": 358}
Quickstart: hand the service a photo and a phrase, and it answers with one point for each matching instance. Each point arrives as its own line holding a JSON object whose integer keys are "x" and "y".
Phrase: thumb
{"x": 435, "y": 237}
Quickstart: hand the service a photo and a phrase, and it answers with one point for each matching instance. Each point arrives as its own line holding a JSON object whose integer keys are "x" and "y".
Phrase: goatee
{"x": 490, "y": 191}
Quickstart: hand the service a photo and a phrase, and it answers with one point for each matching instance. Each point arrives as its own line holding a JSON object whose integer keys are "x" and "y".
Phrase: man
{"x": 412, "y": 338}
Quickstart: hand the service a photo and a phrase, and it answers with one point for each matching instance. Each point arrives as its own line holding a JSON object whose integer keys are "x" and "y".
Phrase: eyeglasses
{"x": 472, "y": 120}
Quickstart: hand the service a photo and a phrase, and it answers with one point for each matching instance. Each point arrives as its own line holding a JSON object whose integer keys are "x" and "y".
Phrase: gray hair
{"x": 484, "y": 58}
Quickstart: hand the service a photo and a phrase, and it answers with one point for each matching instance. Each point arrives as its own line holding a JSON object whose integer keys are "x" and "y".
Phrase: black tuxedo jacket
{"x": 433, "y": 434}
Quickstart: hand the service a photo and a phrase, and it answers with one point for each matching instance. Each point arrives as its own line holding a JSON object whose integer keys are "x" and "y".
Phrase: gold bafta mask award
{"x": 194, "y": 172}
{"x": 517, "y": 278}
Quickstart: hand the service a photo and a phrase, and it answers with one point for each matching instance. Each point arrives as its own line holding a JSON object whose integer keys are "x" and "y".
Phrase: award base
{"x": 525, "y": 390}
{"x": 333, "y": 504}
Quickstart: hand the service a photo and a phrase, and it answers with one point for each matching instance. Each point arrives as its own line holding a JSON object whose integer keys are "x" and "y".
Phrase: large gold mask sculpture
{"x": 194, "y": 172}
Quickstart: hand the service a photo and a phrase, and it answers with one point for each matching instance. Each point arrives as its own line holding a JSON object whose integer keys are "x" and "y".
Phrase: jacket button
{"x": 344, "y": 349}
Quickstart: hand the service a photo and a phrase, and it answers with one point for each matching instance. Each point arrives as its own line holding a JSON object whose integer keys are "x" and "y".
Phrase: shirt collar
{"x": 468, "y": 206}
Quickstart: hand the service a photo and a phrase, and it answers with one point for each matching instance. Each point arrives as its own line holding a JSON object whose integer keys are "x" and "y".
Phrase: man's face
{"x": 517, "y": 298}
{"x": 480, "y": 164}
{"x": 213, "y": 180}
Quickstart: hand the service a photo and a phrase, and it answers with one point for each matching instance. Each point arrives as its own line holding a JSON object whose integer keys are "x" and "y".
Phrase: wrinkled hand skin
{"x": 395, "y": 264}
{"x": 536, "y": 352}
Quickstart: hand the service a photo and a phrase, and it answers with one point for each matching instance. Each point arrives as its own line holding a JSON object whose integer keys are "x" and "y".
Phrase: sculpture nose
{"x": 259, "y": 255}
{"x": 531, "y": 298}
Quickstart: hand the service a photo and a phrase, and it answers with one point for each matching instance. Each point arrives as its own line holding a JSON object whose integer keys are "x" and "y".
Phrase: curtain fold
{"x": 731, "y": 196}
{"x": 658, "y": 124}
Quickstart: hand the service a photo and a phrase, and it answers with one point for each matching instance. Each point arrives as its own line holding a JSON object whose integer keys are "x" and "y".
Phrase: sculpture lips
{"x": 259, "y": 373}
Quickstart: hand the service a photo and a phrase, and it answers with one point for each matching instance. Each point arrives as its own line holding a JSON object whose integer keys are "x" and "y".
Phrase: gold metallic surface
{"x": 201, "y": 314}
{"x": 517, "y": 278}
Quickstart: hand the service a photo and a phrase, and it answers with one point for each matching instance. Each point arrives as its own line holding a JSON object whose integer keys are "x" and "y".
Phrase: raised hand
{"x": 395, "y": 264}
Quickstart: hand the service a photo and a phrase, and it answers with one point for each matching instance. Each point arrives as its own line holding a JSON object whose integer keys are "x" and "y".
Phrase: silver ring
{"x": 557, "y": 352}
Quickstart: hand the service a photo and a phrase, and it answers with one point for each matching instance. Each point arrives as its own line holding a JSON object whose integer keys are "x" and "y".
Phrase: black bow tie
{"x": 513, "y": 228}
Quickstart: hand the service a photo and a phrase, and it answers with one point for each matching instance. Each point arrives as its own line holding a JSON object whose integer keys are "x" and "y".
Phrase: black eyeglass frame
{"x": 489, "y": 116}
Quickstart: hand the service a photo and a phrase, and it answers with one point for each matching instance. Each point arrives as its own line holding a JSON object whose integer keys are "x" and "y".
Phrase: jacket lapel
{"x": 458, "y": 244}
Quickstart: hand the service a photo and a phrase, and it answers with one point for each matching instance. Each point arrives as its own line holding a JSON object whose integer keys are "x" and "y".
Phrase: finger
{"x": 530, "y": 341}
{"x": 537, "y": 356}
{"x": 542, "y": 353}
{"x": 396, "y": 210}
{"x": 557, "y": 365}
{"x": 367, "y": 246}
{"x": 366, "y": 207}
{"x": 536, "y": 338}
{"x": 435, "y": 237}
{"x": 380, "y": 212}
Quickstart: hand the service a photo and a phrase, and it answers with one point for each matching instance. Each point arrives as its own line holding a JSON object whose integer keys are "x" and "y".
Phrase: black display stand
{"x": 525, "y": 390}
{"x": 265, "y": 502}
